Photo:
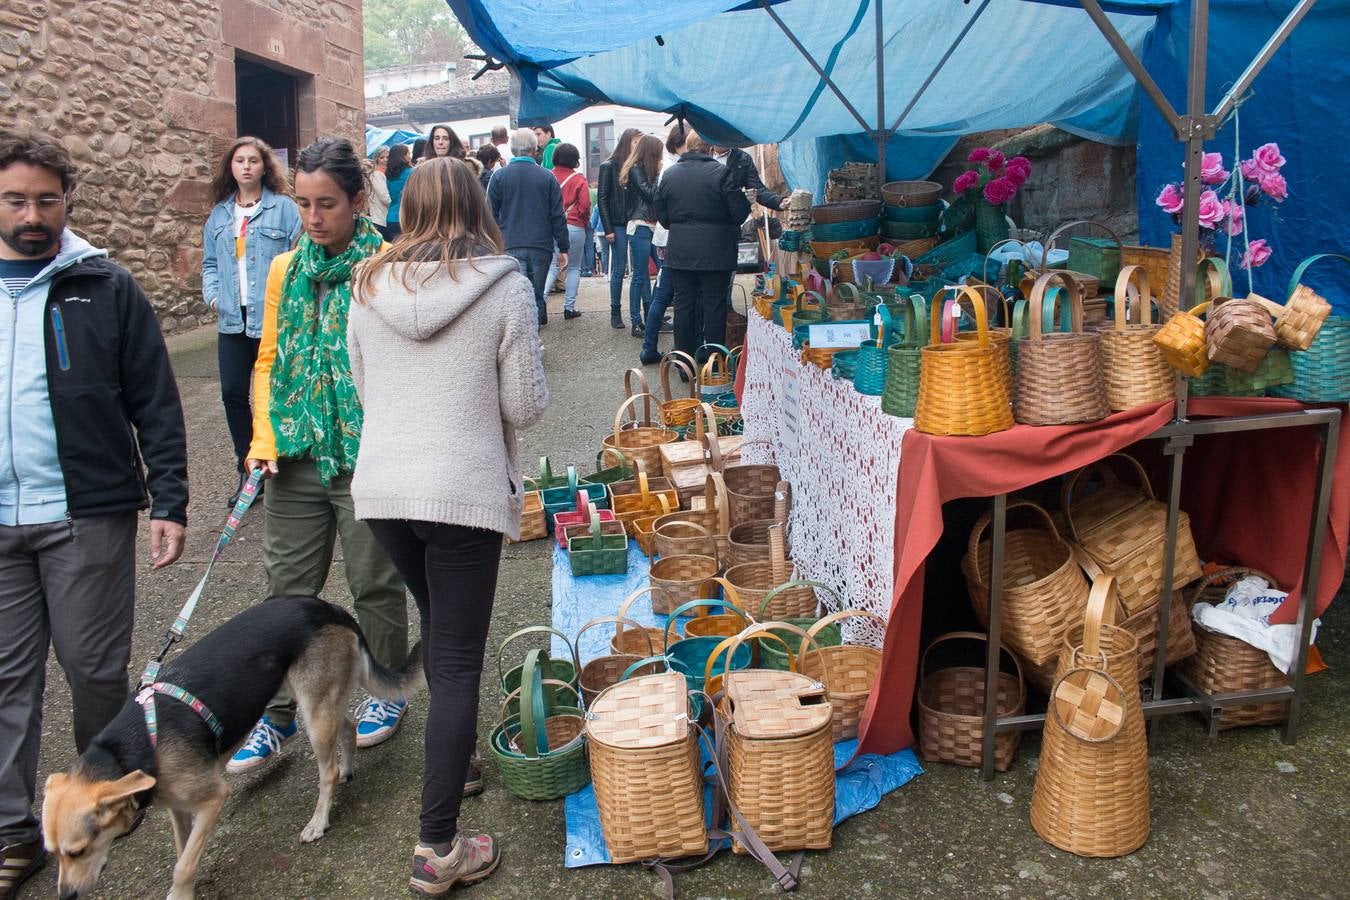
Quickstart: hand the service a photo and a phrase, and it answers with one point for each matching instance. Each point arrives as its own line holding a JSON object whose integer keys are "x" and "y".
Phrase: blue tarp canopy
{"x": 383, "y": 137}
{"x": 733, "y": 71}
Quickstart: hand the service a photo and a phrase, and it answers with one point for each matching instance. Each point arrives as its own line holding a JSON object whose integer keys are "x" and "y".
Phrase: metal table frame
{"x": 1177, "y": 436}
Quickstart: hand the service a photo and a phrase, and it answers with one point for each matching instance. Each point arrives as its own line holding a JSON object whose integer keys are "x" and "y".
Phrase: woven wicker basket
{"x": 645, "y": 768}
{"x": 678, "y": 579}
{"x": 700, "y": 531}
{"x": 845, "y": 211}
{"x": 641, "y": 497}
{"x": 1125, "y": 532}
{"x": 1059, "y": 376}
{"x": 901, "y": 392}
{"x": 1044, "y": 591}
{"x": 1224, "y": 664}
{"x": 1182, "y": 341}
{"x": 951, "y": 709}
{"x": 602, "y": 671}
{"x": 1239, "y": 333}
{"x": 642, "y": 528}
{"x": 533, "y": 525}
{"x": 1133, "y": 367}
{"x": 678, "y": 411}
{"x": 1156, "y": 262}
{"x": 780, "y": 757}
{"x": 904, "y": 194}
{"x": 750, "y": 490}
{"x": 964, "y": 386}
{"x": 731, "y": 620}
{"x": 754, "y": 581}
{"x": 1091, "y": 793}
{"x": 848, "y": 672}
{"x": 540, "y": 759}
{"x": 749, "y": 541}
{"x": 642, "y": 439}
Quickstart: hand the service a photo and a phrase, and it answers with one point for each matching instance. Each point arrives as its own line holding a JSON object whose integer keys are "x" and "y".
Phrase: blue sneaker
{"x": 377, "y": 720}
{"x": 263, "y": 746}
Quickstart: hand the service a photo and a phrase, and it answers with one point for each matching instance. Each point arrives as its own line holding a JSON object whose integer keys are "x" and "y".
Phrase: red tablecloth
{"x": 1248, "y": 494}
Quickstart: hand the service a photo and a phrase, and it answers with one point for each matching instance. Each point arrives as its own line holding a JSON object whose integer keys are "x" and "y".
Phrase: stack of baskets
{"x": 540, "y": 749}
{"x": 852, "y": 226}
{"x": 911, "y": 212}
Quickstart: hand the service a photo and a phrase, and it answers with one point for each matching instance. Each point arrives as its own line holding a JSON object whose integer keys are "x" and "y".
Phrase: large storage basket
{"x": 848, "y": 671}
{"x": 1059, "y": 377}
{"x": 645, "y": 768}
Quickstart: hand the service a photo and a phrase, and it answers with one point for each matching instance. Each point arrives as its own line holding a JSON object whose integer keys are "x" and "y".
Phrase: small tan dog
{"x": 207, "y": 701}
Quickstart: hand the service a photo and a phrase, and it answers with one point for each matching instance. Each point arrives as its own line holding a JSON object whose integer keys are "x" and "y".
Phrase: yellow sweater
{"x": 264, "y": 444}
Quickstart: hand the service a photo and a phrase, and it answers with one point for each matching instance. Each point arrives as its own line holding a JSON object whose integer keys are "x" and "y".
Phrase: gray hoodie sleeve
{"x": 522, "y": 385}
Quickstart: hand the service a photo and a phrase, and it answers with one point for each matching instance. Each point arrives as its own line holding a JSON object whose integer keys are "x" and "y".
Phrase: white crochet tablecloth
{"x": 841, "y": 454}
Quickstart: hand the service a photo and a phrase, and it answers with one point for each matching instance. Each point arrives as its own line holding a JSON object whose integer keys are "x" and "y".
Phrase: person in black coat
{"x": 746, "y": 176}
{"x": 701, "y": 205}
{"x": 616, "y": 203}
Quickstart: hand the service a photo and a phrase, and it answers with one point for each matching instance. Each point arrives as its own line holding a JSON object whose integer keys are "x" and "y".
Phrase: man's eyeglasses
{"x": 43, "y": 204}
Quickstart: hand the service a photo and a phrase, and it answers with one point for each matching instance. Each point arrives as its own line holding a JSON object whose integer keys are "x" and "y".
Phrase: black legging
{"x": 452, "y": 573}
{"x": 236, "y": 354}
{"x": 700, "y": 308}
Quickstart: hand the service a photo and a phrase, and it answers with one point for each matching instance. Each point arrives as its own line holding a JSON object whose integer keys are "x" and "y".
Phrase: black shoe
{"x": 18, "y": 863}
{"x": 649, "y": 359}
{"x": 615, "y": 320}
{"x": 571, "y": 314}
{"x": 638, "y": 330}
{"x": 543, "y": 320}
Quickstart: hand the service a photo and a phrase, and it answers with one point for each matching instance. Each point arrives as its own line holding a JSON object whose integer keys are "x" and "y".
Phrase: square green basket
{"x": 601, "y": 550}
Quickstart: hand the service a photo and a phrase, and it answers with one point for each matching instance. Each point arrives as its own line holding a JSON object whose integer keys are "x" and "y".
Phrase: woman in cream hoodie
{"x": 444, "y": 349}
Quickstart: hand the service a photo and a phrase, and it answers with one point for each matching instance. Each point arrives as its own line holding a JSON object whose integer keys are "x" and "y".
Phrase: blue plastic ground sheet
{"x": 859, "y": 785}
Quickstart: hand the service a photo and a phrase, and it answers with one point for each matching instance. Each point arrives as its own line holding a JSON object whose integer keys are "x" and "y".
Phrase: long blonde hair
{"x": 646, "y": 153}
{"x": 445, "y": 220}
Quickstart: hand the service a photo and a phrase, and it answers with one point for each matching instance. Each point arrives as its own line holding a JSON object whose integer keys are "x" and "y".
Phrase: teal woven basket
{"x": 955, "y": 250}
{"x": 1322, "y": 372}
{"x": 845, "y": 231}
{"x": 844, "y": 364}
{"x": 929, "y": 213}
{"x": 869, "y": 373}
{"x": 908, "y": 231}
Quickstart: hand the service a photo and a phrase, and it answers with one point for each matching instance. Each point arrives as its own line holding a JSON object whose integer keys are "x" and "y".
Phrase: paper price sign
{"x": 838, "y": 335}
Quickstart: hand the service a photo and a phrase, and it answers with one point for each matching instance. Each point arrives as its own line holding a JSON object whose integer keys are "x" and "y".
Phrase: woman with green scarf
{"x": 306, "y": 430}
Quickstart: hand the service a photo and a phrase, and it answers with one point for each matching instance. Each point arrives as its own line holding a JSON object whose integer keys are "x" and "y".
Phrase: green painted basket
{"x": 607, "y": 475}
{"x": 599, "y": 552}
{"x": 1322, "y": 372}
{"x": 930, "y": 213}
{"x": 908, "y": 231}
{"x": 557, "y": 669}
{"x": 845, "y": 231}
{"x": 1275, "y": 371}
{"x": 541, "y": 751}
{"x": 901, "y": 390}
{"x": 545, "y": 479}
{"x": 1214, "y": 383}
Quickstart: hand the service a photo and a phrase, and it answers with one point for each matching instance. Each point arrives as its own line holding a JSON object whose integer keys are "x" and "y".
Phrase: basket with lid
{"x": 645, "y": 769}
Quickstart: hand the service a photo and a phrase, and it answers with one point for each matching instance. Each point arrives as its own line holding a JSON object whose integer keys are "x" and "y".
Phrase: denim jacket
{"x": 272, "y": 230}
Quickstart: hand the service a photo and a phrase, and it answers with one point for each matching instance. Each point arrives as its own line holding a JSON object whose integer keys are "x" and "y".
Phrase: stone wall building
{"x": 147, "y": 96}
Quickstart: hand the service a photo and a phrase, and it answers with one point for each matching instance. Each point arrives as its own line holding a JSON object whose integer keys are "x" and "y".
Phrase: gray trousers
{"x": 71, "y": 585}
{"x": 305, "y": 520}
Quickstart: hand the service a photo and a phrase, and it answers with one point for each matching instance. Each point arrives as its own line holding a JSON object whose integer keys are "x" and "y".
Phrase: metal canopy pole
{"x": 824, "y": 76}
{"x": 879, "y": 135}
{"x": 942, "y": 62}
{"x": 1275, "y": 43}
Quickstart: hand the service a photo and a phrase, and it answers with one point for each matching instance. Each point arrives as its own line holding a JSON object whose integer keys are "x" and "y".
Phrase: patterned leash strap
{"x": 247, "y": 494}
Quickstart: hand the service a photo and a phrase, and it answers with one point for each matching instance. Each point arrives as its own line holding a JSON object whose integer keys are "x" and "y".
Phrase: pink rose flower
{"x": 1274, "y": 186}
{"x": 1233, "y": 215}
{"x": 999, "y": 191}
{"x": 1017, "y": 176}
{"x": 1212, "y": 170}
{"x": 995, "y": 161}
{"x": 1211, "y": 210}
{"x": 965, "y": 181}
{"x": 979, "y": 154}
{"x": 1251, "y": 170}
{"x": 1170, "y": 199}
{"x": 1020, "y": 163}
{"x": 1258, "y": 251}
{"x": 1268, "y": 157}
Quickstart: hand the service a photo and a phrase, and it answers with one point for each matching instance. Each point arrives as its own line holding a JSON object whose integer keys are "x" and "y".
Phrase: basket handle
{"x": 1098, "y": 606}
{"x": 778, "y": 561}
{"x": 984, "y": 289}
{"x": 1066, "y": 492}
{"x": 1132, "y": 287}
{"x": 981, "y": 316}
{"x": 782, "y": 502}
{"x": 1303, "y": 267}
{"x": 708, "y": 678}
{"x": 705, "y": 421}
{"x": 712, "y": 447}
{"x": 1050, "y": 242}
{"x": 702, "y": 603}
{"x": 766, "y": 628}
{"x": 827, "y": 621}
{"x": 972, "y": 636}
{"x": 845, "y": 288}
{"x": 984, "y": 268}
{"x": 547, "y": 684}
{"x": 1233, "y": 572}
{"x": 798, "y": 583}
{"x": 973, "y": 546}
{"x": 916, "y": 313}
{"x": 732, "y": 597}
{"x": 1036, "y": 302}
{"x": 617, "y": 620}
{"x": 645, "y": 661}
{"x": 1218, "y": 281}
{"x": 719, "y": 494}
{"x": 640, "y": 377}
{"x": 533, "y": 716}
{"x": 676, "y": 358}
{"x": 628, "y": 601}
{"x": 622, "y": 463}
{"x": 661, "y": 529}
{"x": 536, "y": 629}
{"x": 618, "y": 416}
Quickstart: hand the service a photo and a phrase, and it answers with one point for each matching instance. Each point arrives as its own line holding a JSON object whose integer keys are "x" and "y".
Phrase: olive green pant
{"x": 304, "y": 522}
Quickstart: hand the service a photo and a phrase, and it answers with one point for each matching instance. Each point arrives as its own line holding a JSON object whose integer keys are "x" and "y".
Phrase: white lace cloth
{"x": 841, "y": 454}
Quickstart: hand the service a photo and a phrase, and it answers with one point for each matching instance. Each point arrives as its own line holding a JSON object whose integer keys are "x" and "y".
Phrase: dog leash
{"x": 247, "y": 494}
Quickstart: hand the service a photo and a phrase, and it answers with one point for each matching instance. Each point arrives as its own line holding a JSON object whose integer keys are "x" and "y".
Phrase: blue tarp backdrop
{"x": 732, "y": 72}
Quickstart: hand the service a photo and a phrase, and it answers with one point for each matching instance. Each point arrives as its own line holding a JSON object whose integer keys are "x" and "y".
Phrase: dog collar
{"x": 146, "y": 699}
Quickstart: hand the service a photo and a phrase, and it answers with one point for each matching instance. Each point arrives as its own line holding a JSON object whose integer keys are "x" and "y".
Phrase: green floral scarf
{"x": 315, "y": 411}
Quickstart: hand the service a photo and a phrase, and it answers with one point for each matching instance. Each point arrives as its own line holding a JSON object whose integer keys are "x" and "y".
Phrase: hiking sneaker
{"x": 377, "y": 720}
{"x": 19, "y": 862}
{"x": 471, "y": 859}
{"x": 473, "y": 779}
{"x": 262, "y": 746}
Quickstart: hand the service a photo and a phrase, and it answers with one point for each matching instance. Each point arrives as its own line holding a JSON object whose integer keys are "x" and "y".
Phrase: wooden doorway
{"x": 267, "y": 106}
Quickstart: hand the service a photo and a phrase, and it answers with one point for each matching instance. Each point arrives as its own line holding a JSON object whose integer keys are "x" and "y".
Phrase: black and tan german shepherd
{"x": 234, "y": 670}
